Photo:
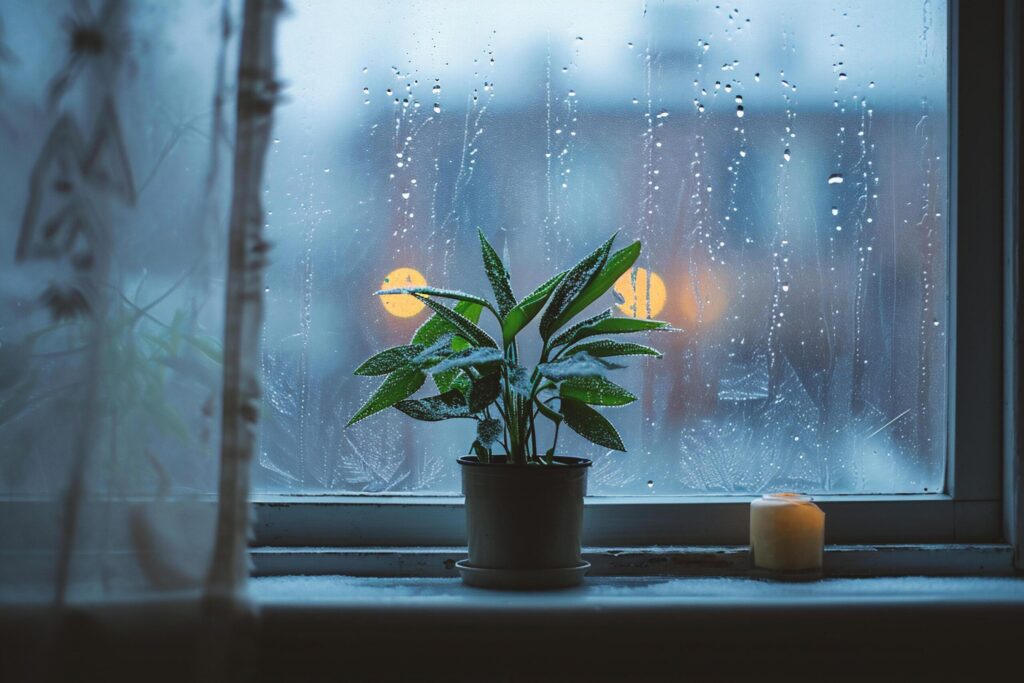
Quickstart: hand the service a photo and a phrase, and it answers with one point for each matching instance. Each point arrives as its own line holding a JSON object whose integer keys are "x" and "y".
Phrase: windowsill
{"x": 348, "y": 594}
{"x": 619, "y": 628}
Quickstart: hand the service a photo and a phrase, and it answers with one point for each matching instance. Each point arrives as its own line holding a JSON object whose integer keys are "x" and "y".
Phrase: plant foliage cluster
{"x": 482, "y": 378}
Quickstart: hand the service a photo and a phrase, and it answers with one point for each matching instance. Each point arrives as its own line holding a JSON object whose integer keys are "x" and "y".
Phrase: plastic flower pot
{"x": 524, "y": 523}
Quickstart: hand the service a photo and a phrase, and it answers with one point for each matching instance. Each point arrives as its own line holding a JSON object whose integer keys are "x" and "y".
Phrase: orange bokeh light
{"x": 643, "y": 293}
{"x": 402, "y": 305}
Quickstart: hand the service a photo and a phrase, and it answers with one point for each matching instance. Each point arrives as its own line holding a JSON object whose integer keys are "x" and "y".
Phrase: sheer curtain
{"x": 129, "y": 179}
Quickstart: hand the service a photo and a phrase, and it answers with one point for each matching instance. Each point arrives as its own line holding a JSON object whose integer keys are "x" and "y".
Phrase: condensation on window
{"x": 784, "y": 164}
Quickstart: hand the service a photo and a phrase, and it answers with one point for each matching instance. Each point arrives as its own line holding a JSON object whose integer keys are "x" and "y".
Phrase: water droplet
{"x": 785, "y": 155}
{"x": 835, "y": 211}
{"x": 739, "y": 111}
{"x": 366, "y": 91}
{"x": 327, "y": 170}
{"x": 636, "y": 101}
{"x": 662, "y": 114}
{"x": 650, "y": 484}
{"x": 739, "y": 99}
{"x": 579, "y": 38}
{"x": 757, "y": 77}
{"x": 572, "y": 93}
{"x": 835, "y": 179}
{"x": 405, "y": 195}
{"x": 871, "y": 84}
{"x": 842, "y": 76}
{"x": 437, "y": 108}
{"x": 389, "y": 91}
{"x": 629, "y": 45}
{"x": 785, "y": 286}
{"x": 743, "y": 153}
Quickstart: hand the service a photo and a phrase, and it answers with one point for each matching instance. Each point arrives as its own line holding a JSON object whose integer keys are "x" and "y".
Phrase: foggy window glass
{"x": 784, "y": 164}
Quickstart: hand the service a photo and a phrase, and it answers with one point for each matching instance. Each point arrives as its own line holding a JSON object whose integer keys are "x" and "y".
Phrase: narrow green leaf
{"x": 400, "y": 384}
{"x": 436, "y": 326}
{"x": 525, "y": 311}
{"x": 597, "y": 391}
{"x": 451, "y": 404}
{"x": 617, "y": 264}
{"x": 572, "y": 286}
{"x": 470, "y": 358}
{"x": 578, "y": 365}
{"x": 440, "y": 293}
{"x": 388, "y": 360}
{"x": 498, "y": 275}
{"x": 547, "y": 412}
{"x": 607, "y": 348}
{"x": 615, "y": 326}
{"x": 464, "y": 327}
{"x": 567, "y": 335}
{"x": 484, "y": 392}
{"x": 590, "y": 424}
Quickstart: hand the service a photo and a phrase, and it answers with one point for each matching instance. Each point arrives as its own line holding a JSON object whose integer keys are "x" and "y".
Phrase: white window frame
{"x": 972, "y": 508}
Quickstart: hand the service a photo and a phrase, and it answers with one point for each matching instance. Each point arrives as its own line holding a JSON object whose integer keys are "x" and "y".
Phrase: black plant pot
{"x": 524, "y": 523}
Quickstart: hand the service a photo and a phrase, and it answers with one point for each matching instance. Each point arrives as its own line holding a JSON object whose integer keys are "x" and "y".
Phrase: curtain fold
{"x": 130, "y": 306}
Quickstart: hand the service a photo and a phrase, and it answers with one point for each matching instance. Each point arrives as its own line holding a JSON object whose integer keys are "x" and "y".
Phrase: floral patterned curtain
{"x": 129, "y": 179}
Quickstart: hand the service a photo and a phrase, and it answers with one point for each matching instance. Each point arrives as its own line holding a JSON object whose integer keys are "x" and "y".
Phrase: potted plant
{"x": 524, "y": 505}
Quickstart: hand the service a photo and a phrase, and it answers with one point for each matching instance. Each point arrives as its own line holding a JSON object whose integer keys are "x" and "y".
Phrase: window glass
{"x": 784, "y": 164}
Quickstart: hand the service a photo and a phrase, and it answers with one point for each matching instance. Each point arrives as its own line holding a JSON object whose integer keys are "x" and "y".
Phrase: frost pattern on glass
{"x": 783, "y": 163}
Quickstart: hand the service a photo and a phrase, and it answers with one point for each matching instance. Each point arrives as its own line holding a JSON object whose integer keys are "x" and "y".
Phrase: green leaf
{"x": 597, "y": 391}
{"x": 617, "y": 264}
{"x": 484, "y": 392}
{"x": 571, "y": 288}
{"x": 607, "y": 348}
{"x": 470, "y": 358}
{"x": 498, "y": 275}
{"x": 525, "y": 311}
{"x": 570, "y": 334}
{"x": 441, "y": 293}
{"x": 389, "y": 360}
{"x": 400, "y": 384}
{"x": 547, "y": 412}
{"x": 448, "y": 405}
{"x": 612, "y": 326}
{"x": 578, "y": 365}
{"x": 436, "y": 326}
{"x": 483, "y": 454}
{"x": 464, "y": 327}
{"x": 590, "y": 424}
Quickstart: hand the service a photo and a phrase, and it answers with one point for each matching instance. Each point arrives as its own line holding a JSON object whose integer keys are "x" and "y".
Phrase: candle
{"x": 787, "y": 534}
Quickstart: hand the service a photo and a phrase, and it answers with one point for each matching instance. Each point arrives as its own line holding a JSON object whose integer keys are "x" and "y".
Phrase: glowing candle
{"x": 787, "y": 534}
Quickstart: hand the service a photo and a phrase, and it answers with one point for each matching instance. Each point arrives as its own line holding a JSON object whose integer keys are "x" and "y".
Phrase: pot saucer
{"x": 522, "y": 579}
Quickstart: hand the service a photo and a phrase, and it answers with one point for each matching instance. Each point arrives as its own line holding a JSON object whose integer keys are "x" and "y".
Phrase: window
{"x": 791, "y": 169}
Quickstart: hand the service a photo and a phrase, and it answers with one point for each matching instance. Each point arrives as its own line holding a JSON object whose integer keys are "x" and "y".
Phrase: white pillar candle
{"x": 787, "y": 533}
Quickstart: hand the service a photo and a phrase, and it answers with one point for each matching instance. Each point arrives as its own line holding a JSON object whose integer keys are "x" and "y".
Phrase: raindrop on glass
{"x": 835, "y": 179}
